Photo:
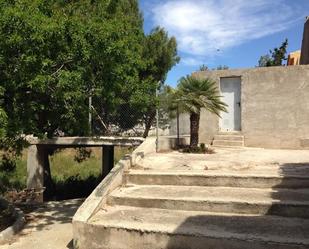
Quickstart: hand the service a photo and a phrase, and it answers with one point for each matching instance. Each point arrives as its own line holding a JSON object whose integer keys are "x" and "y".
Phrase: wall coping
{"x": 241, "y": 71}
{"x": 86, "y": 141}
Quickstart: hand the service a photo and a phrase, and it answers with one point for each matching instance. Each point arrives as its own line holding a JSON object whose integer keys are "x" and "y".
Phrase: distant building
{"x": 294, "y": 58}
{"x": 304, "y": 58}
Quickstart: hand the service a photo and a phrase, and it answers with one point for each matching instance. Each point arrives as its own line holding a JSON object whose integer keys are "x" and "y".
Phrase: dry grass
{"x": 67, "y": 173}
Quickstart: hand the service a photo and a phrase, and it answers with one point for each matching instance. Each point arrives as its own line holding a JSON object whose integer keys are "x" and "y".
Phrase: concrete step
{"x": 230, "y": 133}
{"x": 229, "y": 137}
{"x": 121, "y": 227}
{"x": 282, "y": 202}
{"x": 228, "y": 143}
{"x": 223, "y": 178}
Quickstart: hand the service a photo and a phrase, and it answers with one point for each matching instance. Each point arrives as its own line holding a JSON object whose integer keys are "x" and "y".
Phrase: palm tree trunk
{"x": 194, "y": 129}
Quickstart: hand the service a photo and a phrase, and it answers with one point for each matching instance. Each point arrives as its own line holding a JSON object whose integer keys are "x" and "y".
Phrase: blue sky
{"x": 225, "y": 32}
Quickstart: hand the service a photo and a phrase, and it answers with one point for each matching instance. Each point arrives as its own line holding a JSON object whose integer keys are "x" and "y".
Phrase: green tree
{"x": 265, "y": 61}
{"x": 276, "y": 57}
{"x": 160, "y": 55}
{"x": 222, "y": 67}
{"x": 203, "y": 68}
{"x": 115, "y": 66}
{"x": 194, "y": 94}
{"x": 55, "y": 54}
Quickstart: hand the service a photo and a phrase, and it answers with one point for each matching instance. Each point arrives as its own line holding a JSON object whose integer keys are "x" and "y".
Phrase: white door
{"x": 230, "y": 90}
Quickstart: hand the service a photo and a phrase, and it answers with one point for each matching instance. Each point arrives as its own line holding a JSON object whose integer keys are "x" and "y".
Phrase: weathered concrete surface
{"x": 240, "y": 159}
{"x": 274, "y": 106}
{"x": 165, "y": 202}
{"x": 87, "y": 141}
{"x": 35, "y": 167}
{"x": 37, "y": 160}
{"x": 242, "y": 178}
{"x": 304, "y": 58}
{"x": 228, "y": 140}
{"x": 120, "y": 227}
{"x": 290, "y": 203}
{"x": 48, "y": 227}
{"x": 184, "y": 125}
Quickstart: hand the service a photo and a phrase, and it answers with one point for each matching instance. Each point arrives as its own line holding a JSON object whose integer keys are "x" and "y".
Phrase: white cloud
{"x": 204, "y": 26}
{"x": 190, "y": 61}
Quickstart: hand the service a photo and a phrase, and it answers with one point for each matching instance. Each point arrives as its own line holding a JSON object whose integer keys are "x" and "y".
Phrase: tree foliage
{"x": 276, "y": 56}
{"x": 55, "y": 54}
{"x": 222, "y": 67}
{"x": 203, "y": 68}
{"x": 160, "y": 55}
{"x": 206, "y": 68}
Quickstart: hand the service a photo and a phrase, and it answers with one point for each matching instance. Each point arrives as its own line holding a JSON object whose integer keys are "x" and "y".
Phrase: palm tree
{"x": 194, "y": 94}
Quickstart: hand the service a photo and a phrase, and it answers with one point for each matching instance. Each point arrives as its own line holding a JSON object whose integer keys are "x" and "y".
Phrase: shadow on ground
{"x": 239, "y": 231}
{"x": 52, "y": 213}
{"x": 72, "y": 188}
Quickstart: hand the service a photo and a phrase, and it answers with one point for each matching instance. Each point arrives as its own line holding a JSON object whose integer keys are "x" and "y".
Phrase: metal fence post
{"x": 90, "y": 115}
{"x": 157, "y": 123}
{"x": 178, "y": 136}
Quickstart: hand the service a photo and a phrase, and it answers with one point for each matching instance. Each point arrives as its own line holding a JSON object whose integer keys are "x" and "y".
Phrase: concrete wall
{"x": 304, "y": 59}
{"x": 275, "y": 106}
{"x": 184, "y": 125}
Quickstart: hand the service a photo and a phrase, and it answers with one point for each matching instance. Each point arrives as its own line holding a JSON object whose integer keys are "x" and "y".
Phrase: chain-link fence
{"x": 115, "y": 118}
{"x": 120, "y": 117}
{"x": 173, "y": 126}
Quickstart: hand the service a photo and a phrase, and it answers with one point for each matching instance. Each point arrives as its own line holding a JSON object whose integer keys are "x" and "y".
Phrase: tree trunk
{"x": 194, "y": 129}
{"x": 148, "y": 123}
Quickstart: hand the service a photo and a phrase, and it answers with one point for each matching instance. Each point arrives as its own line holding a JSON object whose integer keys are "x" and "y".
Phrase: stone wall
{"x": 275, "y": 106}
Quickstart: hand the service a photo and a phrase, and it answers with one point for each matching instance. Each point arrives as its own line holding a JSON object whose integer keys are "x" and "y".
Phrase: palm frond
{"x": 194, "y": 94}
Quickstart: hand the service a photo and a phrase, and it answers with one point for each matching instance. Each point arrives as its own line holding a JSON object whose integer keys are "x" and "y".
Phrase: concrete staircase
{"x": 210, "y": 209}
{"x": 229, "y": 140}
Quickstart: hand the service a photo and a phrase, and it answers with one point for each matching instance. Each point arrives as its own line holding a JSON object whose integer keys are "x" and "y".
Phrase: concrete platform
{"x": 230, "y": 159}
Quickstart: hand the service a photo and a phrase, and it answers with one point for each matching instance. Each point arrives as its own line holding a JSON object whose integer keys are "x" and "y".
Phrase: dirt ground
{"x": 48, "y": 227}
